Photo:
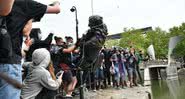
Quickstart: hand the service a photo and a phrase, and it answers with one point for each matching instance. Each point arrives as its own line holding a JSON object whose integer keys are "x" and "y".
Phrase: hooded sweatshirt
{"x": 38, "y": 76}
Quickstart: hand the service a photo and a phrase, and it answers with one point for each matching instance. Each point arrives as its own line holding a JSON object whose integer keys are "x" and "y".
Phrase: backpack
{"x": 5, "y": 40}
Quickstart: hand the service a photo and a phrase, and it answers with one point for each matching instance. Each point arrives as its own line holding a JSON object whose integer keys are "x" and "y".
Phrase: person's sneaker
{"x": 67, "y": 97}
{"x": 75, "y": 93}
{"x": 58, "y": 96}
{"x": 115, "y": 87}
{"x": 131, "y": 86}
{"x": 118, "y": 88}
{"x": 135, "y": 84}
{"x": 94, "y": 90}
{"x": 100, "y": 89}
{"x": 123, "y": 87}
{"x": 85, "y": 90}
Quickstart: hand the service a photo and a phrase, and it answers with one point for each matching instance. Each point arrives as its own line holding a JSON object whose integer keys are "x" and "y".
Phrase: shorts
{"x": 67, "y": 77}
{"x": 130, "y": 72}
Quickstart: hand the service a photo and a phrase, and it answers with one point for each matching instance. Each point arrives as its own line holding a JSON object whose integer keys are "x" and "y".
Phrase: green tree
{"x": 134, "y": 38}
{"x": 159, "y": 39}
{"x": 110, "y": 43}
{"x": 140, "y": 41}
{"x": 178, "y": 31}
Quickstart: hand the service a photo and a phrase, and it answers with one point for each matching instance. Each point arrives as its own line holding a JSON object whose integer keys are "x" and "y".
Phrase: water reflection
{"x": 168, "y": 89}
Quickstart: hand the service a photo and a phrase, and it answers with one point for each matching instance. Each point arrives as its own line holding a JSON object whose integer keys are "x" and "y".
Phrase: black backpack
{"x": 5, "y": 40}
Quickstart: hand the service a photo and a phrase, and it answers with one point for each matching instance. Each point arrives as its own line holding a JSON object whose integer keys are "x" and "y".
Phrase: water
{"x": 168, "y": 89}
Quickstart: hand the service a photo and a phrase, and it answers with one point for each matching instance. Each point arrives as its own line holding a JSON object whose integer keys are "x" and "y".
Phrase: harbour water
{"x": 168, "y": 89}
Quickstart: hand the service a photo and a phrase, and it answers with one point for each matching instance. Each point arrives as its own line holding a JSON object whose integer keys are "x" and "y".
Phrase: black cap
{"x": 57, "y": 38}
{"x": 68, "y": 37}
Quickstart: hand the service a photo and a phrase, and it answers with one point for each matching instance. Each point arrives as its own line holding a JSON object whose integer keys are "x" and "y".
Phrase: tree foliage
{"x": 140, "y": 41}
{"x": 178, "y": 31}
{"x": 133, "y": 38}
{"x": 111, "y": 43}
{"x": 157, "y": 37}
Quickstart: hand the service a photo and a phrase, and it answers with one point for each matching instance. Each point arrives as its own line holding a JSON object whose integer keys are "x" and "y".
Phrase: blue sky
{"x": 117, "y": 14}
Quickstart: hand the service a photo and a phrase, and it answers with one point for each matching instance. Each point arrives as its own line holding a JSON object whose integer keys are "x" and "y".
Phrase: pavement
{"x": 112, "y": 93}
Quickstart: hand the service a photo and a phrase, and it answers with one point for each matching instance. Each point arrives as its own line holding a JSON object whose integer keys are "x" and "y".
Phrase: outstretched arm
{"x": 5, "y": 7}
{"x": 69, "y": 50}
{"x": 53, "y": 8}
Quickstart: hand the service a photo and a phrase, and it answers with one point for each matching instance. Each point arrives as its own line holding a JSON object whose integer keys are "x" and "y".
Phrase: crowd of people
{"x": 42, "y": 68}
{"x": 119, "y": 68}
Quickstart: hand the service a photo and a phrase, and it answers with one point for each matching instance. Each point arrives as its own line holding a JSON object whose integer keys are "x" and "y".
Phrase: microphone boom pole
{"x": 76, "y": 18}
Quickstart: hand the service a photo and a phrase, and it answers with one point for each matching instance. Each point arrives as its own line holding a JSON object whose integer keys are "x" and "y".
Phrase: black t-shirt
{"x": 22, "y": 12}
{"x": 108, "y": 55}
{"x": 65, "y": 57}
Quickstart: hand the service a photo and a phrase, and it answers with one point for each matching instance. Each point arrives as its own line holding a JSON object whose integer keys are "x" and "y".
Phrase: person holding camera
{"x": 22, "y": 11}
{"x": 132, "y": 67}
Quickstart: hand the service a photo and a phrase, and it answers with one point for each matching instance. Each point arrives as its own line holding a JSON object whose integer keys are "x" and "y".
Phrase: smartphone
{"x": 59, "y": 73}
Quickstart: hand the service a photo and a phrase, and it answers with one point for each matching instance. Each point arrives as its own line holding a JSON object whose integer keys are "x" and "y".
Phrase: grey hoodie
{"x": 38, "y": 77}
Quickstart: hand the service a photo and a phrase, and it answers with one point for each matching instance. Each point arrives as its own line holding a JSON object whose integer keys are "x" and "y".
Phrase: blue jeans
{"x": 122, "y": 71}
{"x": 117, "y": 73}
{"x": 7, "y": 91}
{"x": 99, "y": 74}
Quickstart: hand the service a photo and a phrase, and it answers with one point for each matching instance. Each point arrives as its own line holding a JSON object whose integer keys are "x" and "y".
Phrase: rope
{"x": 11, "y": 81}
